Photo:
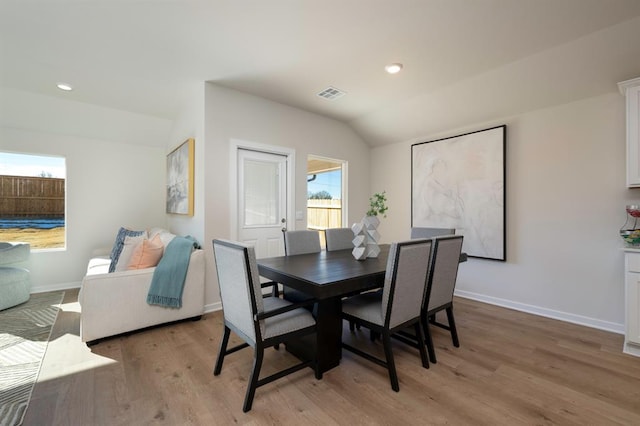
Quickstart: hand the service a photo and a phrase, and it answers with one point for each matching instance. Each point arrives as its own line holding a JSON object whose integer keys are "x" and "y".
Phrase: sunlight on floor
{"x": 70, "y": 307}
{"x": 67, "y": 354}
{"x": 60, "y": 362}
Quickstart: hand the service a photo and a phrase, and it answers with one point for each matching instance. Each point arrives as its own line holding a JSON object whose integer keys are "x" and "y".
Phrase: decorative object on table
{"x": 180, "y": 164}
{"x": 630, "y": 231}
{"x": 26, "y": 330}
{"x": 459, "y": 182}
{"x": 366, "y": 232}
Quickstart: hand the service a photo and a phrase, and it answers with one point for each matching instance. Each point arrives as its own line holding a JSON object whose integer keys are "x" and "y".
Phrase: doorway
{"x": 263, "y": 191}
{"x": 326, "y": 193}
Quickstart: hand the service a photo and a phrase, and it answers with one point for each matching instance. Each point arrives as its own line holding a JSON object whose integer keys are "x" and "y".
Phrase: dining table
{"x": 326, "y": 276}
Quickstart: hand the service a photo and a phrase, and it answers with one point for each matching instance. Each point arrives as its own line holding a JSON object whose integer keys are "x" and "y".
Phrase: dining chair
{"x": 261, "y": 323}
{"x": 338, "y": 238}
{"x": 440, "y": 288}
{"x": 301, "y": 242}
{"x": 445, "y": 258}
{"x": 400, "y": 305}
{"x": 295, "y": 243}
{"x": 420, "y": 232}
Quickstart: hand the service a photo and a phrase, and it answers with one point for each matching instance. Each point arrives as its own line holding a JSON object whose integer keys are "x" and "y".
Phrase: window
{"x": 32, "y": 200}
{"x": 326, "y": 198}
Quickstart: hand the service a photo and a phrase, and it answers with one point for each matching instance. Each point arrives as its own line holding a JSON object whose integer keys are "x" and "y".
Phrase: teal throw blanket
{"x": 168, "y": 279}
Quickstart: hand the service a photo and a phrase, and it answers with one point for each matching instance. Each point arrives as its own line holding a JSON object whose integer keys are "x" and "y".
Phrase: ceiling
{"x": 500, "y": 57}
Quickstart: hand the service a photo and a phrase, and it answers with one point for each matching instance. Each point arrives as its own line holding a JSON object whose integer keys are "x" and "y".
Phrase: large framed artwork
{"x": 180, "y": 179}
{"x": 459, "y": 182}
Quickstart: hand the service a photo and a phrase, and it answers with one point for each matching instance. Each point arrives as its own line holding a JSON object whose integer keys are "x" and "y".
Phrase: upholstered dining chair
{"x": 440, "y": 288}
{"x": 295, "y": 243}
{"x": 420, "y": 232}
{"x": 301, "y": 242}
{"x": 261, "y": 323}
{"x": 339, "y": 238}
{"x": 400, "y": 305}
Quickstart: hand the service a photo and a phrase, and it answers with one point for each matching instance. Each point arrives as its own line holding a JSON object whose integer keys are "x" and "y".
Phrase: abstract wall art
{"x": 180, "y": 179}
{"x": 459, "y": 182}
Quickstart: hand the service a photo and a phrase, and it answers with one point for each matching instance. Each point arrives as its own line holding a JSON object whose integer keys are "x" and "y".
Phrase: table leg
{"x": 328, "y": 340}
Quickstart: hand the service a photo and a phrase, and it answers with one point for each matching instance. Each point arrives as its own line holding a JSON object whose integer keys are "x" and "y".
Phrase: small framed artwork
{"x": 180, "y": 163}
{"x": 459, "y": 182}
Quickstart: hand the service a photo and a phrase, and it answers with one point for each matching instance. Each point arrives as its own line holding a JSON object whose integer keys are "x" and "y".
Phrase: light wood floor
{"x": 512, "y": 368}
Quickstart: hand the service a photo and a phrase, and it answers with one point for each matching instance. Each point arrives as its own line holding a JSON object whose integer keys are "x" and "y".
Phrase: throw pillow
{"x": 147, "y": 254}
{"x": 117, "y": 246}
{"x": 165, "y": 235}
{"x": 152, "y": 232}
{"x": 130, "y": 244}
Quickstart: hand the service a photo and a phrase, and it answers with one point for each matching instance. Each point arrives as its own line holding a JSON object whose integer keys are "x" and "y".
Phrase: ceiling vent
{"x": 331, "y": 93}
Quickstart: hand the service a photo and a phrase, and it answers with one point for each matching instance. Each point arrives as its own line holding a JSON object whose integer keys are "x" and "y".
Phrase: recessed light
{"x": 393, "y": 68}
{"x": 64, "y": 86}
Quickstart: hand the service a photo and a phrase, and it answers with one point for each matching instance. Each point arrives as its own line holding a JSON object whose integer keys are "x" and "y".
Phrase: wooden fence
{"x": 323, "y": 214}
{"x": 22, "y": 196}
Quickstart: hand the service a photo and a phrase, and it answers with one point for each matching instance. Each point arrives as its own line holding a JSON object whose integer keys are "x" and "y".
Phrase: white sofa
{"x": 116, "y": 302}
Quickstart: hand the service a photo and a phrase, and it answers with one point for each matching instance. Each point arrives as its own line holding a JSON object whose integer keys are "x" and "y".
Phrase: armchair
{"x": 15, "y": 283}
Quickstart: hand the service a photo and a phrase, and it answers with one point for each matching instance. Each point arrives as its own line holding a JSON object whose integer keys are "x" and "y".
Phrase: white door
{"x": 262, "y": 201}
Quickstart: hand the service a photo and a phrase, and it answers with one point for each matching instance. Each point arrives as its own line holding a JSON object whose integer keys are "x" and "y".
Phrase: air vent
{"x": 331, "y": 93}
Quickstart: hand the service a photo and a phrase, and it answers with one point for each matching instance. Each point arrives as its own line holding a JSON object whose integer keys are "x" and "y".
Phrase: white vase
{"x": 366, "y": 238}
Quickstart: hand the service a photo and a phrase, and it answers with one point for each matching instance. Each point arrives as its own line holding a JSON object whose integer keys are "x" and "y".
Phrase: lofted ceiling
{"x": 465, "y": 61}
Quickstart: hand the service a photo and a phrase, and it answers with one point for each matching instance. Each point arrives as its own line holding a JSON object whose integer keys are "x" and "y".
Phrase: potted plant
{"x": 377, "y": 204}
{"x": 366, "y": 232}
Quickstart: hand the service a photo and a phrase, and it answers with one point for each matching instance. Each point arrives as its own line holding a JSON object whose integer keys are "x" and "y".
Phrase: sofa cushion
{"x": 147, "y": 254}
{"x": 119, "y": 244}
{"x": 165, "y": 235}
{"x": 130, "y": 244}
{"x": 98, "y": 265}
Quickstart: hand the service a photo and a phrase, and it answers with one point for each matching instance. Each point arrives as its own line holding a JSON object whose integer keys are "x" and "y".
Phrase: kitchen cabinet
{"x": 631, "y": 90}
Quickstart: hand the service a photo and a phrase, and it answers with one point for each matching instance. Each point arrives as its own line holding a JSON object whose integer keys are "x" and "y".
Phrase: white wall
{"x": 565, "y": 204}
{"x": 230, "y": 114}
{"x": 110, "y": 182}
{"x": 190, "y": 124}
{"x": 24, "y": 110}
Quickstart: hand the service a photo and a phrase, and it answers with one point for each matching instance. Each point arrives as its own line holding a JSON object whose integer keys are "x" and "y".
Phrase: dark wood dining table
{"x": 327, "y": 276}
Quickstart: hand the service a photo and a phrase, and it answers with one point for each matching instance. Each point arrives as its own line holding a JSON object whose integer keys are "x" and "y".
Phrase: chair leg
{"x": 352, "y": 324}
{"x": 421, "y": 344}
{"x": 429, "y": 340}
{"x": 316, "y": 367}
{"x": 391, "y": 365}
{"x": 253, "y": 381}
{"x": 223, "y": 350}
{"x": 452, "y": 327}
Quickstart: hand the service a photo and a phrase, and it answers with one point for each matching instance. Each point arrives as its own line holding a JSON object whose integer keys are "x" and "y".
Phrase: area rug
{"x": 24, "y": 335}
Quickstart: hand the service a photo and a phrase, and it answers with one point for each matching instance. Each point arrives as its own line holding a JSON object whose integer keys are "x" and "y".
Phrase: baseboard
{"x": 55, "y": 287}
{"x": 544, "y": 312}
{"x": 523, "y": 307}
{"x": 212, "y": 307}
